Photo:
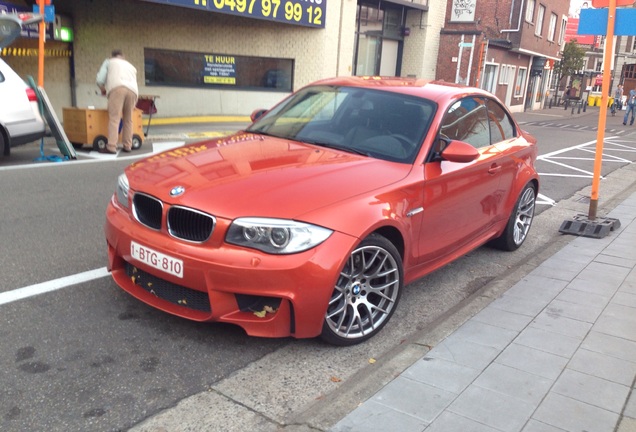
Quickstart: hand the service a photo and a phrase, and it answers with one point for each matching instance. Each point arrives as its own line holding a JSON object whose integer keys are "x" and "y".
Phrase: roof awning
{"x": 409, "y": 4}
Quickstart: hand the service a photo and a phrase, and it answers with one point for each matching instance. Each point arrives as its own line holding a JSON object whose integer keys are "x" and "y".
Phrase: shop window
{"x": 210, "y": 70}
{"x": 490, "y": 75}
{"x": 521, "y": 81}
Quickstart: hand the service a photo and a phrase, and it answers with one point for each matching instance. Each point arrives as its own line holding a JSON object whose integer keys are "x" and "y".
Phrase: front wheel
{"x": 366, "y": 293}
{"x": 520, "y": 221}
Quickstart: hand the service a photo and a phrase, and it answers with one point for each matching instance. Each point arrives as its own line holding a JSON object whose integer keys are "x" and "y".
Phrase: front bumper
{"x": 293, "y": 290}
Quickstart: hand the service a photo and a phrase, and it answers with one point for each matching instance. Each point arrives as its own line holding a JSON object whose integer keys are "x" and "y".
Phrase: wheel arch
{"x": 4, "y": 138}
{"x": 393, "y": 235}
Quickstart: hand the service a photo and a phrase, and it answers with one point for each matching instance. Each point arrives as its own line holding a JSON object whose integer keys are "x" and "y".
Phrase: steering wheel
{"x": 407, "y": 144}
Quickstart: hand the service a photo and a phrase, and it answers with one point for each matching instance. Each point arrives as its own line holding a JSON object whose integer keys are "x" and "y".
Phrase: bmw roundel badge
{"x": 176, "y": 191}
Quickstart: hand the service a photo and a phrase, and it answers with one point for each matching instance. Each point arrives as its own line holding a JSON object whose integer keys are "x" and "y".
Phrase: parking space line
{"x": 52, "y": 285}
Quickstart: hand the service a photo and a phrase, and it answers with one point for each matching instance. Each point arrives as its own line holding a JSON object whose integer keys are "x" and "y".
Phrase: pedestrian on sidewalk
{"x": 117, "y": 79}
{"x": 618, "y": 99}
{"x": 631, "y": 106}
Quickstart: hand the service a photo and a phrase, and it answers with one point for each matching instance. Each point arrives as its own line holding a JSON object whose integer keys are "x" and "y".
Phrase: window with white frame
{"x": 530, "y": 11}
{"x": 503, "y": 74}
{"x": 564, "y": 24}
{"x": 552, "y": 28}
{"x": 539, "y": 26}
{"x": 506, "y": 74}
{"x": 521, "y": 81}
{"x": 490, "y": 77}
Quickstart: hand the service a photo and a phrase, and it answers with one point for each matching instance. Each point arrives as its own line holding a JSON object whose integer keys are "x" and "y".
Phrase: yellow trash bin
{"x": 610, "y": 102}
{"x": 591, "y": 100}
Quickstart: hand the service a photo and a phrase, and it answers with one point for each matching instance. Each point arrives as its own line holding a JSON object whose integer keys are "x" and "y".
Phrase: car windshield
{"x": 379, "y": 124}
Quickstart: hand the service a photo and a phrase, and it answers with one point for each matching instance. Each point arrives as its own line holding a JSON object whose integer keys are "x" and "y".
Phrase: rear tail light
{"x": 31, "y": 95}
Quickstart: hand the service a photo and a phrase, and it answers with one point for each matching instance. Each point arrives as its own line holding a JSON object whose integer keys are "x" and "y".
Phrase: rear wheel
{"x": 520, "y": 221}
{"x": 4, "y": 144}
{"x": 136, "y": 142}
{"x": 366, "y": 293}
{"x": 99, "y": 143}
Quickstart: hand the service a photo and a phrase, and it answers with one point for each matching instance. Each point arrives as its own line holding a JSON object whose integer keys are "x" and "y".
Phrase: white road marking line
{"x": 52, "y": 285}
{"x": 542, "y": 199}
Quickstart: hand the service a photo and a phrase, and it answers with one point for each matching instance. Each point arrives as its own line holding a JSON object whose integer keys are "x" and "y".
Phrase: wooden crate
{"x": 90, "y": 126}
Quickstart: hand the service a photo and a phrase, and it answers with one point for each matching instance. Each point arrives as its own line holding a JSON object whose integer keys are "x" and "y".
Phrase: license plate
{"x": 158, "y": 260}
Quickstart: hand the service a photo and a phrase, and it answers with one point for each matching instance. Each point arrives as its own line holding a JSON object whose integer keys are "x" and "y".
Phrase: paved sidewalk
{"x": 556, "y": 352}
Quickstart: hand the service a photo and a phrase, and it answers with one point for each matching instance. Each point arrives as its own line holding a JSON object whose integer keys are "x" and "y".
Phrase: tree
{"x": 572, "y": 61}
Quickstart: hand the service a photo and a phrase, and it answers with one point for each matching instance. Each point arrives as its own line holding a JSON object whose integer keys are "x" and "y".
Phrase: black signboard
{"x": 310, "y": 13}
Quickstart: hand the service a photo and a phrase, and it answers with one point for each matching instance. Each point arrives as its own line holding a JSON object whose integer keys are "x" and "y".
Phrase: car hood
{"x": 254, "y": 175}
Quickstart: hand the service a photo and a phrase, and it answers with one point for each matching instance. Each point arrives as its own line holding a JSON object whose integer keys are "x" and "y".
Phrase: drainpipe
{"x": 520, "y": 17}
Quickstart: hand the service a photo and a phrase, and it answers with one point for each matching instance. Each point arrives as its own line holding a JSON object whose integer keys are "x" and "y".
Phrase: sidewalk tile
{"x": 617, "y": 320}
{"x": 585, "y": 298}
{"x": 374, "y": 417}
{"x": 603, "y": 366}
{"x": 605, "y": 274}
{"x": 592, "y": 390}
{"x": 537, "y": 426}
{"x": 464, "y": 352}
{"x": 619, "y": 261}
{"x": 559, "y": 269}
{"x": 605, "y": 288}
{"x": 562, "y": 325}
{"x": 514, "y": 383}
{"x": 485, "y": 334}
{"x": 493, "y": 409}
{"x": 558, "y": 410}
{"x": 629, "y": 285}
{"x": 500, "y": 318}
{"x": 630, "y": 406}
{"x": 440, "y": 373}
{"x": 625, "y": 299}
{"x": 538, "y": 288}
{"x": 553, "y": 343}
{"x": 533, "y": 361}
{"x": 574, "y": 311}
{"x": 518, "y": 305}
{"x": 610, "y": 345}
{"x": 571, "y": 256}
{"x": 449, "y": 421}
{"x": 414, "y": 398}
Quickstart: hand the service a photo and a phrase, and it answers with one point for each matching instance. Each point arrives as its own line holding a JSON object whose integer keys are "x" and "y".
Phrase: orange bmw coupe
{"x": 312, "y": 220}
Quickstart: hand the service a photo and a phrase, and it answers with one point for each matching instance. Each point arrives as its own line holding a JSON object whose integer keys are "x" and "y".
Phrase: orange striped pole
{"x": 600, "y": 135}
{"x": 41, "y": 31}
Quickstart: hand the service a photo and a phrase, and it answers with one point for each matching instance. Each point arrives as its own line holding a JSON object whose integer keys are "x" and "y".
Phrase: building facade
{"x": 507, "y": 47}
{"x": 226, "y": 57}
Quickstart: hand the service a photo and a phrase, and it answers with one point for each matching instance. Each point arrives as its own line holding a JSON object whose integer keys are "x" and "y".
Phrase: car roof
{"x": 430, "y": 89}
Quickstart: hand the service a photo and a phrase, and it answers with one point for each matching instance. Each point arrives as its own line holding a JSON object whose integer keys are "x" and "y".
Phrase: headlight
{"x": 122, "y": 190}
{"x": 276, "y": 236}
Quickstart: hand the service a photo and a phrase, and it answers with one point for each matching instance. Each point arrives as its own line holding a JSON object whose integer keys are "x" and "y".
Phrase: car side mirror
{"x": 256, "y": 114}
{"x": 11, "y": 26}
{"x": 459, "y": 151}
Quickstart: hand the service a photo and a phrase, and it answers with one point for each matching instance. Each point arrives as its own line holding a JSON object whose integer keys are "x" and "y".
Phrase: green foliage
{"x": 572, "y": 60}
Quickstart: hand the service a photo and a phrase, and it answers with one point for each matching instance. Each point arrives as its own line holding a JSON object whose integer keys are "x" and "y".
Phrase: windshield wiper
{"x": 338, "y": 147}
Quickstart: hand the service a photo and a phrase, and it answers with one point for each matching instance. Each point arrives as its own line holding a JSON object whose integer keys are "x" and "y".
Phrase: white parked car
{"x": 20, "y": 118}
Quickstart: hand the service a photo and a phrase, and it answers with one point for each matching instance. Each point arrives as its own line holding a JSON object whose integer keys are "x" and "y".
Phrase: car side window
{"x": 501, "y": 125}
{"x": 467, "y": 120}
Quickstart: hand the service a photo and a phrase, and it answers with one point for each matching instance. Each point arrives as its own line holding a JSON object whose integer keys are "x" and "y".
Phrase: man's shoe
{"x": 127, "y": 150}
{"x": 624, "y": 124}
{"x": 107, "y": 151}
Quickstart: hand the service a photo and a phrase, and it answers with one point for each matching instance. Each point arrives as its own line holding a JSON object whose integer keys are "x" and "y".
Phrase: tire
{"x": 99, "y": 143}
{"x": 519, "y": 222}
{"x": 136, "y": 142}
{"x": 366, "y": 294}
{"x": 4, "y": 144}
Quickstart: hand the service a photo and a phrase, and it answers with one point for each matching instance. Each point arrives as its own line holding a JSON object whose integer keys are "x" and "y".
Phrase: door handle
{"x": 494, "y": 169}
